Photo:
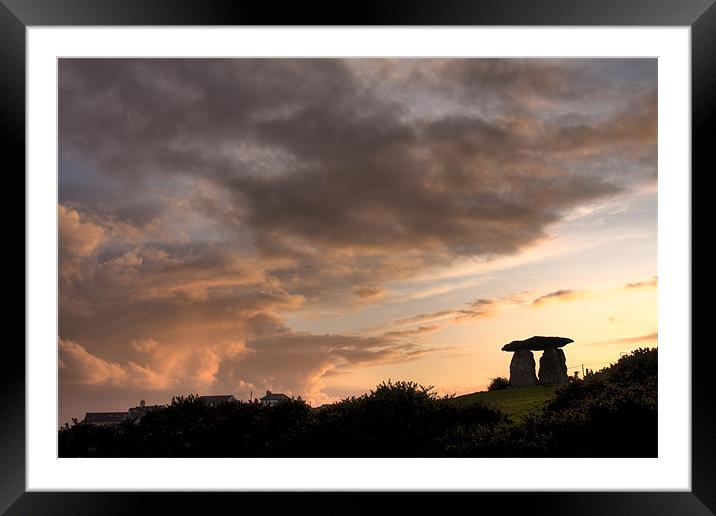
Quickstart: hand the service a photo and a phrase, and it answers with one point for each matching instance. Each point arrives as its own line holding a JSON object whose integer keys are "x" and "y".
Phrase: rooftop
{"x": 217, "y": 398}
{"x": 105, "y": 417}
{"x": 274, "y": 396}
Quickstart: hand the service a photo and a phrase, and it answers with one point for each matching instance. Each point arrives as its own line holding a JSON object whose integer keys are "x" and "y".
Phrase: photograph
{"x": 357, "y": 257}
{"x": 312, "y": 257}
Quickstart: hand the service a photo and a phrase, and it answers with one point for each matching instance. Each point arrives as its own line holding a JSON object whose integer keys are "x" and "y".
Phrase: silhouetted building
{"x": 105, "y": 418}
{"x": 114, "y": 418}
{"x": 272, "y": 398}
{"x": 216, "y": 399}
{"x": 136, "y": 413}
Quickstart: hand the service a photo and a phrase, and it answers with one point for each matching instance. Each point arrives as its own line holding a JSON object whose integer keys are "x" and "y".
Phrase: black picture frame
{"x": 700, "y": 15}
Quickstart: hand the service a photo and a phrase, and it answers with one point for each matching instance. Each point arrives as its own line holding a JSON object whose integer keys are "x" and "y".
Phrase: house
{"x": 273, "y": 398}
{"x": 114, "y": 418}
{"x": 136, "y": 413}
{"x": 105, "y": 418}
{"x": 216, "y": 399}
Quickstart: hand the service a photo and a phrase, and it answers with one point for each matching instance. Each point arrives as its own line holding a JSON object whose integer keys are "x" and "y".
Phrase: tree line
{"x": 609, "y": 413}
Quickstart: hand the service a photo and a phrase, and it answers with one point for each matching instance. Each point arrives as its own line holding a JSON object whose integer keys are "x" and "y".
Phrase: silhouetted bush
{"x": 610, "y": 413}
{"x": 498, "y": 384}
{"x": 396, "y": 420}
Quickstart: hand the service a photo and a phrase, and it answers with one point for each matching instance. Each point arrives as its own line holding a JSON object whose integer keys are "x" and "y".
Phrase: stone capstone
{"x": 537, "y": 343}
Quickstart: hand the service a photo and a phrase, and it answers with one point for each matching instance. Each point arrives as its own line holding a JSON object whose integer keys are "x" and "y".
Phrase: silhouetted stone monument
{"x": 522, "y": 368}
{"x": 552, "y": 364}
{"x": 563, "y": 361}
{"x": 552, "y": 367}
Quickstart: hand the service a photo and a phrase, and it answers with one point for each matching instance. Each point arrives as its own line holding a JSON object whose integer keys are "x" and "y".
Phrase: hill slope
{"x": 514, "y": 401}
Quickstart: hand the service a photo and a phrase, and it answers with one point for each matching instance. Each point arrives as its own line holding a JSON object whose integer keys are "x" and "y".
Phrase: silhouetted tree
{"x": 609, "y": 413}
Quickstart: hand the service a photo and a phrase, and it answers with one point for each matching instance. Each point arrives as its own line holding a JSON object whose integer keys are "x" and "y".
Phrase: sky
{"x": 318, "y": 226}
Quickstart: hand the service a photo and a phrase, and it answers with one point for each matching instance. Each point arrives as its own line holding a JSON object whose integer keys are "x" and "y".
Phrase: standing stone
{"x": 563, "y": 359}
{"x": 552, "y": 367}
{"x": 522, "y": 368}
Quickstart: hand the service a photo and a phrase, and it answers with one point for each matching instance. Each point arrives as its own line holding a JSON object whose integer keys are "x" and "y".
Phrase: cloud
{"x": 640, "y": 338}
{"x": 487, "y": 307}
{"x": 421, "y": 330}
{"x": 77, "y": 241}
{"x": 335, "y": 164}
{"x": 336, "y": 176}
{"x": 560, "y": 295}
{"x": 77, "y": 238}
{"x": 144, "y": 345}
{"x": 415, "y": 319}
{"x": 78, "y": 366}
{"x": 479, "y": 308}
{"x": 484, "y": 307}
{"x": 369, "y": 293}
{"x": 643, "y": 284}
{"x": 633, "y": 340}
{"x": 284, "y": 361}
{"x": 298, "y": 362}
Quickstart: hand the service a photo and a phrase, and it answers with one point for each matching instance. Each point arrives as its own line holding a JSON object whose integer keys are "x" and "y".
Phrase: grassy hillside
{"x": 514, "y": 401}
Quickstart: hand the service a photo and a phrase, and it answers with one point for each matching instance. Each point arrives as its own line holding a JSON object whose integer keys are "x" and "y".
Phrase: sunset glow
{"x": 317, "y": 226}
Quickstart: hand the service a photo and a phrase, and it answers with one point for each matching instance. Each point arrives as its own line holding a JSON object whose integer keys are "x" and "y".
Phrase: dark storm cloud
{"x": 312, "y": 155}
{"x": 521, "y": 81}
{"x": 201, "y": 198}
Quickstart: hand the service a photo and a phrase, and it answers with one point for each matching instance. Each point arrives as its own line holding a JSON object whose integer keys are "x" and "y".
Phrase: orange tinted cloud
{"x": 78, "y": 241}
{"x": 642, "y": 284}
{"x": 369, "y": 293}
{"x": 77, "y": 238}
{"x": 560, "y": 295}
{"x": 421, "y": 330}
{"x": 632, "y": 340}
{"x": 479, "y": 308}
{"x": 79, "y": 366}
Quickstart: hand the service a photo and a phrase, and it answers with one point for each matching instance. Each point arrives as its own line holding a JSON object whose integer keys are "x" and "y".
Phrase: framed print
{"x": 416, "y": 248}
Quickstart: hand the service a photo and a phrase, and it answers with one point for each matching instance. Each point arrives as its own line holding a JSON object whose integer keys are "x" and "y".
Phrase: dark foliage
{"x": 399, "y": 419}
{"x": 610, "y": 413}
{"x": 498, "y": 384}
